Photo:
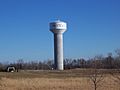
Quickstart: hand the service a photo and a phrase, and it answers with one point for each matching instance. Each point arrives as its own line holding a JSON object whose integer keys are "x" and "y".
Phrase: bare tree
{"x": 96, "y": 75}
{"x": 19, "y": 63}
{"x": 117, "y": 51}
{"x": 116, "y": 72}
{"x": 116, "y": 76}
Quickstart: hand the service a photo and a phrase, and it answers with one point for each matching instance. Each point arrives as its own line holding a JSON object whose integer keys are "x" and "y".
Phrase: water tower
{"x": 58, "y": 28}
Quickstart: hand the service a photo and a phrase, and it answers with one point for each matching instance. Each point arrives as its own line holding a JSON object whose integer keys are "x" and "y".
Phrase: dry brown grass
{"x": 44, "y": 84}
{"x": 54, "y": 81}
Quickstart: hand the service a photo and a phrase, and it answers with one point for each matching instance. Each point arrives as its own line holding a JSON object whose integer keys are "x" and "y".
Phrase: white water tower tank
{"x": 58, "y": 28}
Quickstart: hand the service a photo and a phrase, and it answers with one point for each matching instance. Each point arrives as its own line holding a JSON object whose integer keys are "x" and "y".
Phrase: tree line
{"x": 99, "y": 62}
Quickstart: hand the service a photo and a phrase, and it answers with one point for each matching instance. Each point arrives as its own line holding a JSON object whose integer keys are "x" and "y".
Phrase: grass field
{"x": 53, "y": 80}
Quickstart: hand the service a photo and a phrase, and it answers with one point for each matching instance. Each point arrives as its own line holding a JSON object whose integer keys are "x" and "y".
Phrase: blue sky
{"x": 93, "y": 28}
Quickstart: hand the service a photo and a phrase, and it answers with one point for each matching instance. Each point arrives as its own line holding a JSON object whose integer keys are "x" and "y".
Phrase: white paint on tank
{"x": 58, "y": 25}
